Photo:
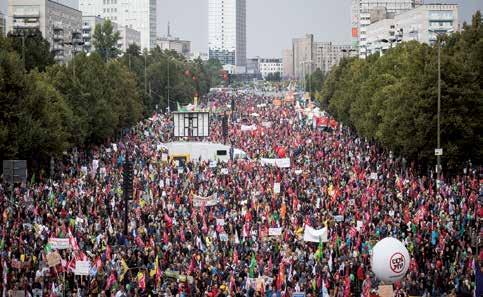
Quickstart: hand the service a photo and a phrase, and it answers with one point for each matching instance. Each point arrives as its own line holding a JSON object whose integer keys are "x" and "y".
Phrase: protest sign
{"x": 276, "y": 188}
{"x": 274, "y": 231}
{"x": 246, "y": 128}
{"x": 220, "y": 222}
{"x": 53, "y": 259}
{"x": 82, "y": 267}
{"x": 314, "y": 235}
{"x": 59, "y": 243}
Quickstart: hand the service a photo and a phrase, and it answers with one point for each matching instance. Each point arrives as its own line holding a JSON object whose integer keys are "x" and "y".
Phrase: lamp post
{"x": 439, "y": 151}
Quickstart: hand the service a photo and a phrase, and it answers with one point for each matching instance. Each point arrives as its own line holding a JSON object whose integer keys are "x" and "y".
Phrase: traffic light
{"x": 128, "y": 176}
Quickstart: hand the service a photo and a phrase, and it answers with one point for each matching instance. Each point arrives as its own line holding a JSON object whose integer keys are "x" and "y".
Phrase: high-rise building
{"x": 420, "y": 24}
{"x": 139, "y": 15}
{"x": 287, "y": 61}
{"x": 303, "y": 58}
{"x": 3, "y": 24}
{"x": 59, "y": 24}
{"x": 128, "y": 36}
{"x": 365, "y": 12}
{"x": 327, "y": 54}
{"x": 227, "y": 32}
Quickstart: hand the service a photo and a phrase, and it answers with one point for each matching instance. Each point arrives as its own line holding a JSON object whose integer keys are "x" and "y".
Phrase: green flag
{"x": 253, "y": 263}
{"x": 48, "y": 248}
{"x": 320, "y": 251}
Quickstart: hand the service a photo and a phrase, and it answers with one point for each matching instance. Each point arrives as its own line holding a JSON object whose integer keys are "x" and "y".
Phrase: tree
{"x": 105, "y": 40}
{"x": 31, "y": 45}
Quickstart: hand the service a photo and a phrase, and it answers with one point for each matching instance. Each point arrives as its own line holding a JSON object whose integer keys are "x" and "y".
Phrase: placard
{"x": 82, "y": 267}
{"x": 53, "y": 259}
{"x": 373, "y": 175}
{"x": 386, "y": 291}
{"x": 223, "y": 237}
{"x": 276, "y": 188}
{"x": 220, "y": 222}
{"x": 164, "y": 157}
{"x": 274, "y": 231}
{"x": 59, "y": 243}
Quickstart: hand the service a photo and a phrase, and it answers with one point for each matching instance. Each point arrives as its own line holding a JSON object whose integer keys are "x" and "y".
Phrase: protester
{"x": 199, "y": 231}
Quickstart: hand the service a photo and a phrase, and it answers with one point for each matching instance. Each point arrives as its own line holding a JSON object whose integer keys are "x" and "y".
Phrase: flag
{"x": 48, "y": 248}
{"x": 110, "y": 281}
{"x": 320, "y": 251}
{"x": 235, "y": 256}
{"x": 152, "y": 273}
{"x": 253, "y": 263}
{"x": 141, "y": 280}
{"x": 108, "y": 252}
{"x": 124, "y": 269}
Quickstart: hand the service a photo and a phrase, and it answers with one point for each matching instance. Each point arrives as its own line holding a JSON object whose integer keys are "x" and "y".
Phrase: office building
{"x": 3, "y": 24}
{"x": 139, "y": 15}
{"x": 365, "y": 12}
{"x": 287, "y": 61}
{"x": 268, "y": 66}
{"x": 327, "y": 54}
{"x": 59, "y": 24}
{"x": 421, "y": 24}
{"x": 303, "y": 58}
{"x": 227, "y": 33}
{"x": 200, "y": 55}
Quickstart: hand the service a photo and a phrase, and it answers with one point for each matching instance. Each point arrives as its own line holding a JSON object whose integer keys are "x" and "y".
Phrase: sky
{"x": 271, "y": 24}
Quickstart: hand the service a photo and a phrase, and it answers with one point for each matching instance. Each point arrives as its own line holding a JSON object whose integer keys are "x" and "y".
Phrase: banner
{"x": 220, "y": 222}
{"x": 274, "y": 231}
{"x": 314, "y": 235}
{"x": 248, "y": 128}
{"x": 59, "y": 243}
{"x": 198, "y": 201}
{"x": 82, "y": 267}
{"x": 267, "y": 124}
{"x": 280, "y": 163}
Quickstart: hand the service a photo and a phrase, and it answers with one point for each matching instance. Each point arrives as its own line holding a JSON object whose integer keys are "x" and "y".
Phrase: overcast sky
{"x": 271, "y": 24}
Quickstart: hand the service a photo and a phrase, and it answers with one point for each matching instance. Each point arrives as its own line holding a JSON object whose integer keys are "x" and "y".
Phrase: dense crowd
{"x": 175, "y": 247}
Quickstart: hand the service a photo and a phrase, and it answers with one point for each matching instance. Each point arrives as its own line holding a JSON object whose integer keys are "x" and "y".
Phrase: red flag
{"x": 110, "y": 281}
{"x": 168, "y": 220}
{"x": 139, "y": 241}
{"x": 141, "y": 281}
{"x": 108, "y": 252}
{"x": 165, "y": 237}
{"x": 235, "y": 256}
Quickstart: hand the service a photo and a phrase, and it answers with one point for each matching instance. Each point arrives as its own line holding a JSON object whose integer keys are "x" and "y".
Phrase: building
{"x": 3, "y": 24}
{"x": 169, "y": 42}
{"x": 59, "y": 24}
{"x": 303, "y": 58}
{"x": 200, "y": 55}
{"x": 128, "y": 36}
{"x": 252, "y": 65}
{"x": 421, "y": 24}
{"x": 273, "y": 66}
{"x": 139, "y": 15}
{"x": 327, "y": 54}
{"x": 227, "y": 33}
{"x": 365, "y": 12}
{"x": 287, "y": 61}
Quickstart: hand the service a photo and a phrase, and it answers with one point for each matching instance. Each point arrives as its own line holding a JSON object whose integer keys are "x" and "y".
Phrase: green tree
{"x": 31, "y": 45}
{"x": 105, "y": 40}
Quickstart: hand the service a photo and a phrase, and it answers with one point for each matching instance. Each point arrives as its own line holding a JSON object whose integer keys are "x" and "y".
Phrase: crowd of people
{"x": 176, "y": 246}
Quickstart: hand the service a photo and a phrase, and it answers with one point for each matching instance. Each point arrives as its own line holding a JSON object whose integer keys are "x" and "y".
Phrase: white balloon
{"x": 390, "y": 260}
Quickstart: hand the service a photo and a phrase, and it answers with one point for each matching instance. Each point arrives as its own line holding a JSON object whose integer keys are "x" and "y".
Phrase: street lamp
{"x": 439, "y": 151}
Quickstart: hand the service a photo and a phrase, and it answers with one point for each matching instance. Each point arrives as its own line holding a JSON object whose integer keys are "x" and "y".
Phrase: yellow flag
{"x": 153, "y": 271}
{"x": 22, "y": 258}
{"x": 124, "y": 269}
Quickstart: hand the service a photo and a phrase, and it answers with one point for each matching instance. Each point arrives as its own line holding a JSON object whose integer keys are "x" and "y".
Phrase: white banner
{"x": 248, "y": 128}
{"x": 276, "y": 188}
{"x": 220, "y": 222}
{"x": 274, "y": 231}
{"x": 267, "y": 124}
{"x": 198, "y": 201}
{"x": 59, "y": 243}
{"x": 314, "y": 235}
{"x": 82, "y": 267}
{"x": 280, "y": 163}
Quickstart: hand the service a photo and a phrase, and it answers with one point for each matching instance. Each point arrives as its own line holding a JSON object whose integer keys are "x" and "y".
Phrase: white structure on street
{"x": 273, "y": 66}
{"x": 227, "y": 33}
{"x": 139, "y": 15}
{"x": 59, "y": 24}
{"x": 365, "y": 12}
{"x": 420, "y": 24}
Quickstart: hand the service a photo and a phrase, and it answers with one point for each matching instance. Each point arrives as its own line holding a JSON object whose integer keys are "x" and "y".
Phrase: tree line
{"x": 392, "y": 99}
{"x": 48, "y": 108}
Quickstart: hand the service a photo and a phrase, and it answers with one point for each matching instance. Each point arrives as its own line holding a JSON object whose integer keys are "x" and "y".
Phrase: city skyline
{"x": 280, "y": 20}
